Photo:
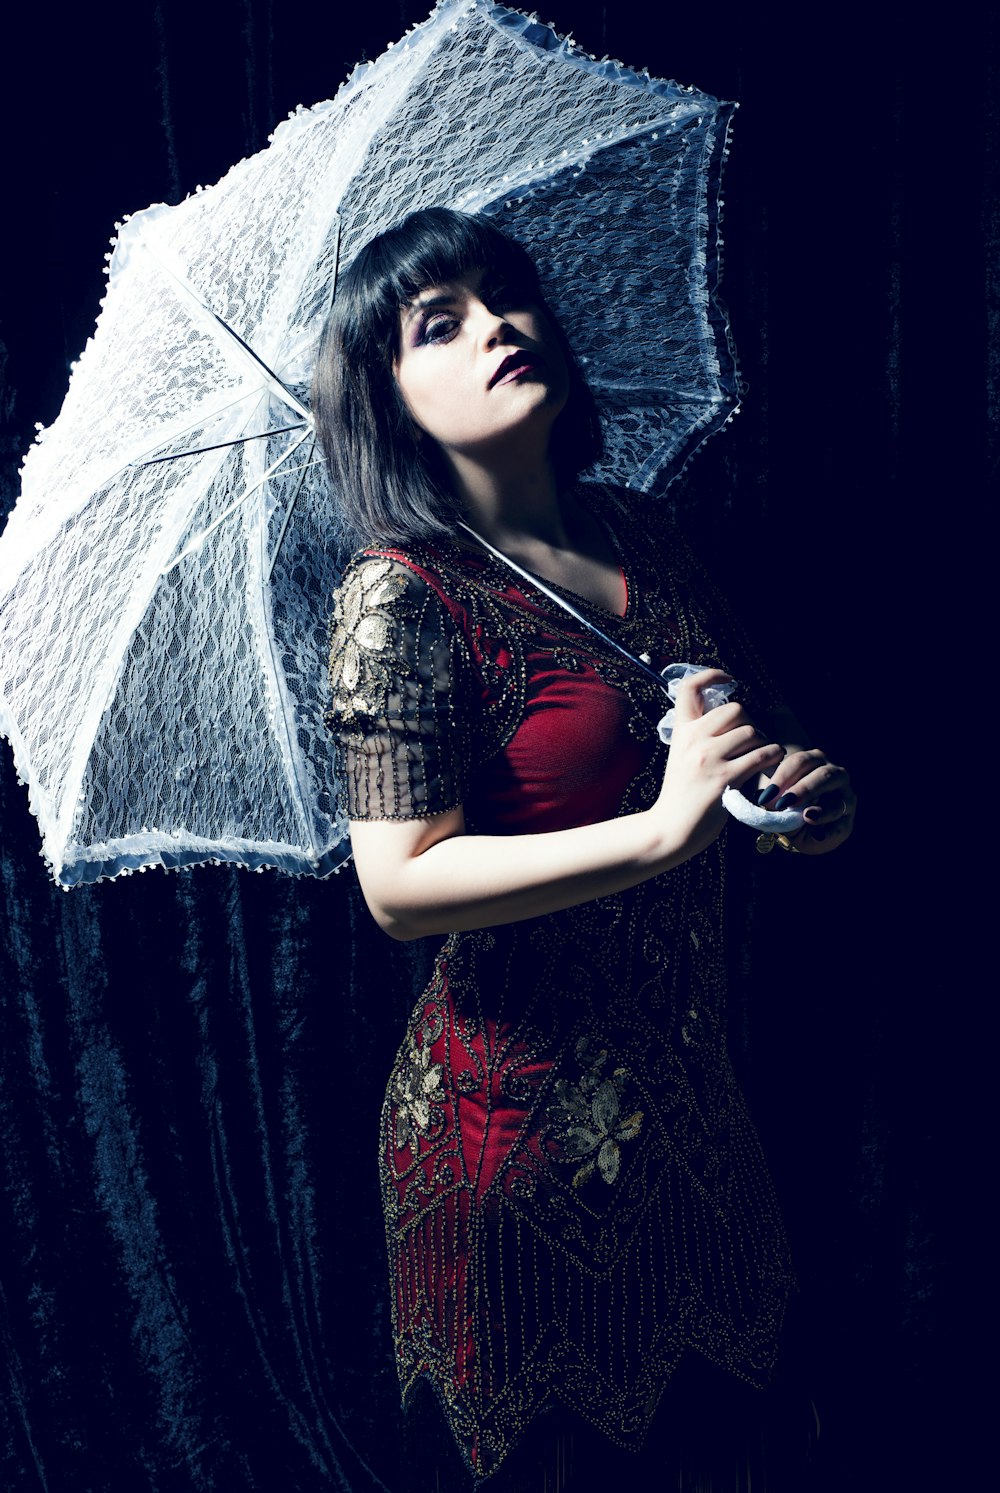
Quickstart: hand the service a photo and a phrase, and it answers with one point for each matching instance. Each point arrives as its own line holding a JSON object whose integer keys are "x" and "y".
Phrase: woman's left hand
{"x": 808, "y": 780}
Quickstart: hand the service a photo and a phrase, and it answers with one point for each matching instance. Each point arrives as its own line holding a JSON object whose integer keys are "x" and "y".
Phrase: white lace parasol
{"x": 163, "y": 627}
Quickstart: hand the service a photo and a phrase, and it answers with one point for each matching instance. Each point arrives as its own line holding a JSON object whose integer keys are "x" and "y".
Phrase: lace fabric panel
{"x": 395, "y": 668}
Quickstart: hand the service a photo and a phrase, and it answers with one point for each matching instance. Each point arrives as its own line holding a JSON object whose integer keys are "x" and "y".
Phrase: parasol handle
{"x": 770, "y": 821}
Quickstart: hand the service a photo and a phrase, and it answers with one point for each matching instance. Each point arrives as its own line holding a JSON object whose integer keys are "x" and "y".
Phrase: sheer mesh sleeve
{"x": 395, "y": 662}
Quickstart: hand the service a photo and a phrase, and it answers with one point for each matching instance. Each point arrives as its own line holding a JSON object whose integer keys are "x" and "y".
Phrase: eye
{"x": 436, "y": 326}
{"x": 506, "y": 295}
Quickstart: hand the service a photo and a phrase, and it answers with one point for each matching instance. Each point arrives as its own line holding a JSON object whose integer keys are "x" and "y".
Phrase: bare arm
{"x": 428, "y": 876}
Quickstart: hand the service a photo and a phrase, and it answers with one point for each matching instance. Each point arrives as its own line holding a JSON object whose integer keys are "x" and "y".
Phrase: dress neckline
{"x": 497, "y": 568}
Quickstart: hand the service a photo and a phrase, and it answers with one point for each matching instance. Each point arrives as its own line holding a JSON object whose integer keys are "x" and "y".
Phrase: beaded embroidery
{"x": 361, "y": 665}
{"x": 417, "y": 1090}
{"x": 587, "y": 1119}
{"x": 574, "y": 1194}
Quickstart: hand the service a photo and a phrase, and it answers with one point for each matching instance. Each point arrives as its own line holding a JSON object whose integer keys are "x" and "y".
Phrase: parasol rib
{"x": 249, "y": 357}
{"x": 195, "y": 544}
{"x": 320, "y": 461}
{"x": 293, "y": 755}
{"x": 258, "y": 435}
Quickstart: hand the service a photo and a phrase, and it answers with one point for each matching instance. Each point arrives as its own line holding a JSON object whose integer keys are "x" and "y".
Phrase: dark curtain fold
{"x": 193, "y": 1292}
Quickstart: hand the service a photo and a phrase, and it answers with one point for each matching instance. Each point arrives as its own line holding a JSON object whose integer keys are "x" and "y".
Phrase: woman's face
{"x": 478, "y": 369}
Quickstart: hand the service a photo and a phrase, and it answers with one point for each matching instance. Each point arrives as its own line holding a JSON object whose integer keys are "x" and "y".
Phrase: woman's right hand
{"x": 710, "y": 750}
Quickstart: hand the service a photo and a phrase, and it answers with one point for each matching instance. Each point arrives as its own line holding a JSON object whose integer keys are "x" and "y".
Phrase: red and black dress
{"x": 574, "y": 1193}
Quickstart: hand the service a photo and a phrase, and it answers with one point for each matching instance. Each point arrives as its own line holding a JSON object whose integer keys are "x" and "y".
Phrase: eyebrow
{"x": 424, "y": 303}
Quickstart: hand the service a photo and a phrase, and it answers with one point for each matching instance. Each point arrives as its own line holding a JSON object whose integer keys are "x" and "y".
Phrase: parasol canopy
{"x": 166, "y": 576}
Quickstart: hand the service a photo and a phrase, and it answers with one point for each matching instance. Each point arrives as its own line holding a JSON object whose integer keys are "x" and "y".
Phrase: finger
{"x": 798, "y": 764}
{"x": 690, "y": 705}
{"x": 802, "y": 778}
{"x": 821, "y": 838}
{"x": 727, "y": 718}
{"x": 760, "y": 759}
{"x": 744, "y": 737}
{"x": 827, "y": 783}
{"x": 840, "y": 803}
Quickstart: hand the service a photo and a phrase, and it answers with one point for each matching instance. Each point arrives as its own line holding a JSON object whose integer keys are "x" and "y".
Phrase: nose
{"x": 493, "y": 329}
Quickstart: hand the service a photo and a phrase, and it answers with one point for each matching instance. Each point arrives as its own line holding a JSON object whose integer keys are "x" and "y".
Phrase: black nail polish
{"x": 766, "y": 794}
{"x": 819, "y": 833}
{"x": 786, "y": 801}
{"x": 811, "y": 814}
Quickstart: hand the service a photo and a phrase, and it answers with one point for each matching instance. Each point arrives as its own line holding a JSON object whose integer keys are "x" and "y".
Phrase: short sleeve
{"x": 395, "y": 677}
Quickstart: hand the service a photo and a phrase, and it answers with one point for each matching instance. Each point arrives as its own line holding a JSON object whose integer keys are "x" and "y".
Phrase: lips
{"x": 517, "y": 362}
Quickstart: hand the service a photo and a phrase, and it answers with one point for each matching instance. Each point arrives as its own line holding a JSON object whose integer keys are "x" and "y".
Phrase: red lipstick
{"x": 516, "y": 362}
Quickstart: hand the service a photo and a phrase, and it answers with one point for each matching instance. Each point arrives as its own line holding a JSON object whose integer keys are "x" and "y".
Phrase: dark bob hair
{"x": 391, "y": 486}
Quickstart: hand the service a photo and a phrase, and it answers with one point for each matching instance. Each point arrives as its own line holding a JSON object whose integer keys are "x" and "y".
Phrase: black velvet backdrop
{"x": 191, "y": 1066}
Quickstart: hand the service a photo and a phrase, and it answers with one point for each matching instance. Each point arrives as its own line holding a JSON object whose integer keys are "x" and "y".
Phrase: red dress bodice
{"x": 574, "y": 1193}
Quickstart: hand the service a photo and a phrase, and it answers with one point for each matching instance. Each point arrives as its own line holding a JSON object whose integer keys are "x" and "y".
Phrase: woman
{"x": 574, "y": 1195}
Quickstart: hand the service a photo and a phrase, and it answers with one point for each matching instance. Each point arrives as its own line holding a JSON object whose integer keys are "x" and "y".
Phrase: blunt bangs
{"x": 392, "y": 487}
{"x": 432, "y": 247}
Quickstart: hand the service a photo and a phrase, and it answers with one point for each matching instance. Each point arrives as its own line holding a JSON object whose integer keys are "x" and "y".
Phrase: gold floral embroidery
{"x": 417, "y": 1091}
{"x": 587, "y": 1119}
{"x": 360, "y": 659}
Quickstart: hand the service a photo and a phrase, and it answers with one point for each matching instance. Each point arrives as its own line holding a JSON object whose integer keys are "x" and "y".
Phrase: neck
{"x": 512, "y": 505}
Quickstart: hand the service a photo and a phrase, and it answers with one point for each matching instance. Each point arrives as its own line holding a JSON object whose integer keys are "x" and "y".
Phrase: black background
{"x": 166, "y": 1329}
